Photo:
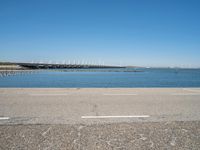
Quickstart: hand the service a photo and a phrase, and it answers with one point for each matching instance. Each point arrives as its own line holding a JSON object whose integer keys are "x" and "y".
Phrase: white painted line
{"x": 185, "y": 94}
{"x": 110, "y": 94}
{"x": 4, "y": 118}
{"x": 104, "y": 117}
{"x": 191, "y": 90}
{"x": 41, "y": 94}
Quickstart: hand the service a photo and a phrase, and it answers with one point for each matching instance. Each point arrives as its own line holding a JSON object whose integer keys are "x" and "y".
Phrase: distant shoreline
{"x": 11, "y": 67}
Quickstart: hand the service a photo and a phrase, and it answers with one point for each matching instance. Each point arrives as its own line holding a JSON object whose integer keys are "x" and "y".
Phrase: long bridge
{"x": 58, "y": 65}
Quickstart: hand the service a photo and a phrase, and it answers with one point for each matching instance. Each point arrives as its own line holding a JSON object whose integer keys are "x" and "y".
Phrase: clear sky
{"x": 130, "y": 32}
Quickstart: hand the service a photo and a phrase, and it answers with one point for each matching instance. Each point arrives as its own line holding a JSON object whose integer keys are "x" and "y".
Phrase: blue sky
{"x": 128, "y": 32}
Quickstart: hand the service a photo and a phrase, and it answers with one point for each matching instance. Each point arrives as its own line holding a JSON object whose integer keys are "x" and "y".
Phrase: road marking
{"x": 104, "y": 117}
{"x": 110, "y": 94}
{"x": 41, "y": 94}
{"x": 4, "y": 118}
{"x": 191, "y": 90}
{"x": 185, "y": 94}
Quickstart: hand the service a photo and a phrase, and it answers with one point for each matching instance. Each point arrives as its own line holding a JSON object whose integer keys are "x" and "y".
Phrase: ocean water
{"x": 104, "y": 78}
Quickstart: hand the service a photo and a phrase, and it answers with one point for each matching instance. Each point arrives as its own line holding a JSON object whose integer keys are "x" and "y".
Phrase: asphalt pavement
{"x": 104, "y": 118}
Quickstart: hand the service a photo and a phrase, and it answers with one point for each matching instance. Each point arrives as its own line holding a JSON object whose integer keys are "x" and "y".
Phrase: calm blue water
{"x": 105, "y": 78}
